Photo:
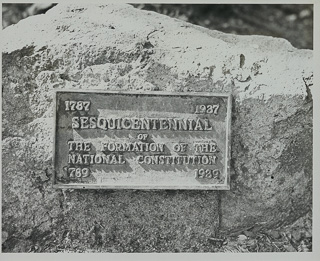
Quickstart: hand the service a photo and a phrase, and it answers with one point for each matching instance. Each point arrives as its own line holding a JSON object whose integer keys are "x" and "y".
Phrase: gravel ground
{"x": 292, "y": 22}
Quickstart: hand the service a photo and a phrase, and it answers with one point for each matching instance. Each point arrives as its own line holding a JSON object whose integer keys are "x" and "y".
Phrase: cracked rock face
{"x": 117, "y": 47}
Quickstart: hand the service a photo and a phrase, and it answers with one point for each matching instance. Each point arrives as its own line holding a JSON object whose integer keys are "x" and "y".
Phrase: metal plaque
{"x": 149, "y": 140}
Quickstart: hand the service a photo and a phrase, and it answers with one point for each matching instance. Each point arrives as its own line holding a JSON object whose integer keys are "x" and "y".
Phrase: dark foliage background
{"x": 292, "y": 22}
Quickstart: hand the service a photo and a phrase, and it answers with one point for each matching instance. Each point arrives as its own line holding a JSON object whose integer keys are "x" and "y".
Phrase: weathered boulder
{"x": 117, "y": 47}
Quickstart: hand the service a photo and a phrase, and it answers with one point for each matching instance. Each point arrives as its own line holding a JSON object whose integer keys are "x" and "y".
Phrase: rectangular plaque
{"x": 149, "y": 140}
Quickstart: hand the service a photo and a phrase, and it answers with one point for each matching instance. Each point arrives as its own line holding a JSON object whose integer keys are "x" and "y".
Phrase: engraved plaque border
{"x": 224, "y": 186}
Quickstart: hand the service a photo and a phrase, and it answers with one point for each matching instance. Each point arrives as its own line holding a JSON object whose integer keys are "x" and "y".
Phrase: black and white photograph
{"x": 158, "y": 128}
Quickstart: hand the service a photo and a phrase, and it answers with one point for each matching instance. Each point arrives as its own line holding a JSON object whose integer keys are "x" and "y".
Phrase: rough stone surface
{"x": 116, "y": 47}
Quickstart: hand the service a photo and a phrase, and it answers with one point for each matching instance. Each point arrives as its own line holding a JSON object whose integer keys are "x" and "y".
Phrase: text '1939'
{"x": 142, "y": 140}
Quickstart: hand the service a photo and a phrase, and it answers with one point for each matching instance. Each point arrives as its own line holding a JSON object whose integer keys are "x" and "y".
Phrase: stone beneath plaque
{"x": 142, "y": 140}
{"x": 118, "y": 47}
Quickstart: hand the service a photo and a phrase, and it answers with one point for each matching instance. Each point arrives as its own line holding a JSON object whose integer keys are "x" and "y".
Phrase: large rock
{"x": 117, "y": 47}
